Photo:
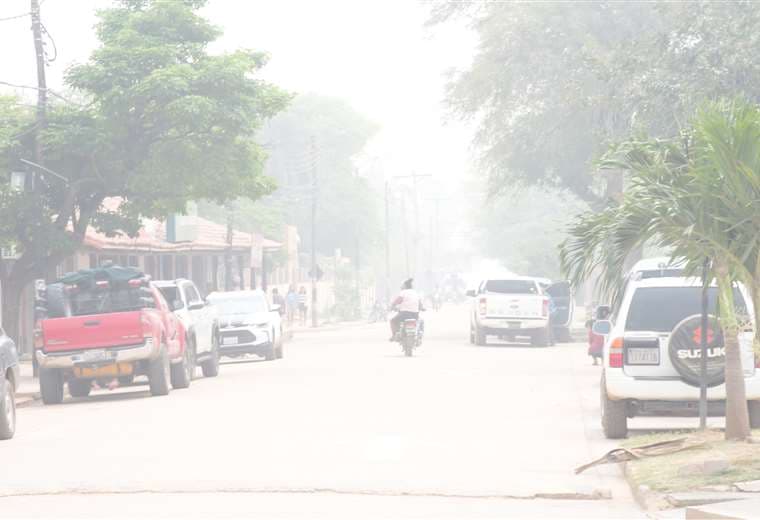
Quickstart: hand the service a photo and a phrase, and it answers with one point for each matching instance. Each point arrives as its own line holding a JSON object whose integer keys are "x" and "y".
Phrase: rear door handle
{"x": 91, "y": 323}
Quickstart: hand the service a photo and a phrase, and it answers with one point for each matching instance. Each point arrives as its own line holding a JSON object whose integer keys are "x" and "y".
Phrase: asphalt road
{"x": 343, "y": 427}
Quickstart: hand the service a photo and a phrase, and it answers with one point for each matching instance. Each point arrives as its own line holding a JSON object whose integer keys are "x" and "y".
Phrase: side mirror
{"x": 274, "y": 307}
{"x": 196, "y": 306}
{"x": 470, "y": 293}
{"x": 602, "y": 327}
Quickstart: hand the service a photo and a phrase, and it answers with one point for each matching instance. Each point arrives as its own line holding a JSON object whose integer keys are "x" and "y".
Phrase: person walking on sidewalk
{"x": 277, "y": 299}
{"x": 291, "y": 301}
{"x": 302, "y": 306}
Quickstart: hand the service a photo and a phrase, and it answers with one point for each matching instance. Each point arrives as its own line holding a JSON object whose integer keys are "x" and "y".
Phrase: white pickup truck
{"x": 510, "y": 308}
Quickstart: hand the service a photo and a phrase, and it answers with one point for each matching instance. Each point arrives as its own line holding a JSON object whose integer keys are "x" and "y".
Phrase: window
{"x": 191, "y": 294}
{"x": 181, "y": 264}
{"x": 510, "y": 287}
{"x": 660, "y": 309}
{"x": 167, "y": 271}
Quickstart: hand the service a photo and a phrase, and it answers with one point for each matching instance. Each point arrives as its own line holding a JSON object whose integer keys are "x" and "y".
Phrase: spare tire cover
{"x": 685, "y": 350}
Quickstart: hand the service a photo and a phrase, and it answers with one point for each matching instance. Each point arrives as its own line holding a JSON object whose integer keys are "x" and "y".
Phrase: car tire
{"x": 614, "y": 415}
{"x": 210, "y": 367}
{"x": 126, "y": 380}
{"x": 182, "y": 373}
{"x": 51, "y": 385}
{"x": 79, "y": 387}
{"x": 159, "y": 373}
{"x": 541, "y": 338}
{"x": 271, "y": 353}
{"x": 754, "y": 414}
{"x": 280, "y": 347}
{"x": 7, "y": 409}
{"x": 481, "y": 339}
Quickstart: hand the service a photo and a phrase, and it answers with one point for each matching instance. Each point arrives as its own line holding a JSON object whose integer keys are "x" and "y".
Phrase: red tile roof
{"x": 152, "y": 237}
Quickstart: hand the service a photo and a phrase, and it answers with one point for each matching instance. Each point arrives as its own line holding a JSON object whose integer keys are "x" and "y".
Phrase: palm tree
{"x": 699, "y": 197}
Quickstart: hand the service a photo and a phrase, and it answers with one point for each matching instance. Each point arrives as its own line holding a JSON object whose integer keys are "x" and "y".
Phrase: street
{"x": 343, "y": 427}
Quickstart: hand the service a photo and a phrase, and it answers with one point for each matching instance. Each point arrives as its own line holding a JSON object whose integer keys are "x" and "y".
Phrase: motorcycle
{"x": 410, "y": 335}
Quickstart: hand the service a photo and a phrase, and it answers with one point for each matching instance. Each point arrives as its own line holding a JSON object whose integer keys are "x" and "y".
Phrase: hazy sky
{"x": 376, "y": 54}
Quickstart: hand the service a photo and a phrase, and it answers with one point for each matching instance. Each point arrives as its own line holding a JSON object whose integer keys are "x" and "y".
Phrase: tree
{"x": 697, "y": 196}
{"x": 553, "y": 83}
{"x": 347, "y": 216}
{"x": 522, "y": 229}
{"x": 165, "y": 122}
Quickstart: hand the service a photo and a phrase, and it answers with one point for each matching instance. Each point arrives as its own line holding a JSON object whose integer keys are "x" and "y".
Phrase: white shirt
{"x": 410, "y": 301}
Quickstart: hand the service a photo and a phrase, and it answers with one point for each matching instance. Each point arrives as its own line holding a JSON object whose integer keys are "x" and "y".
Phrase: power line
{"x": 7, "y": 18}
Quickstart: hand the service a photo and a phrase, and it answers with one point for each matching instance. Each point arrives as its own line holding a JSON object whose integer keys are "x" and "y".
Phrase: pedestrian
{"x": 277, "y": 299}
{"x": 302, "y": 307}
{"x": 596, "y": 341}
{"x": 291, "y": 300}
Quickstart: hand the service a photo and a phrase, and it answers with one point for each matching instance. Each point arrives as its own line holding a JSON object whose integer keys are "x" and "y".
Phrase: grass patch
{"x": 662, "y": 473}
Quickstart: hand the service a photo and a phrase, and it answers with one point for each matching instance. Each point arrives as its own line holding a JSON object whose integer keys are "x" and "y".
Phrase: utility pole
{"x": 39, "y": 51}
{"x": 415, "y": 235}
{"x": 314, "y": 192}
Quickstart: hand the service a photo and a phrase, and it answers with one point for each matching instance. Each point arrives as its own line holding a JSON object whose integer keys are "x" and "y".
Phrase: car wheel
{"x": 480, "y": 337}
{"x": 7, "y": 409}
{"x": 210, "y": 367}
{"x": 51, "y": 385}
{"x": 754, "y": 414}
{"x": 614, "y": 415}
{"x": 280, "y": 347}
{"x": 159, "y": 373}
{"x": 126, "y": 380}
{"x": 80, "y": 387}
{"x": 540, "y": 338}
{"x": 182, "y": 373}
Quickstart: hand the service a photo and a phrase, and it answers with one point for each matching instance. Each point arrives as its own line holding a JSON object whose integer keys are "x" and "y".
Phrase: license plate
{"x": 230, "y": 341}
{"x": 91, "y": 356}
{"x": 643, "y": 356}
{"x": 513, "y": 324}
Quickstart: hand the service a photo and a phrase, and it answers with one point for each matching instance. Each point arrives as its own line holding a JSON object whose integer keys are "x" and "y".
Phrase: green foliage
{"x": 695, "y": 196}
{"x": 553, "y": 83}
{"x": 165, "y": 122}
{"x": 347, "y": 210}
{"x": 523, "y": 228}
{"x": 347, "y": 302}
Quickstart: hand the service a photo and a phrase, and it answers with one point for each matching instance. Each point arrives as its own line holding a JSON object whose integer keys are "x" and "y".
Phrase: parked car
{"x": 510, "y": 308}
{"x": 247, "y": 324}
{"x": 199, "y": 321}
{"x": 652, "y": 350}
{"x": 108, "y": 323}
{"x": 9, "y": 381}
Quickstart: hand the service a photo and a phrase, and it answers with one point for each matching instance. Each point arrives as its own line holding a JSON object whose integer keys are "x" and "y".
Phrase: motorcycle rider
{"x": 409, "y": 305}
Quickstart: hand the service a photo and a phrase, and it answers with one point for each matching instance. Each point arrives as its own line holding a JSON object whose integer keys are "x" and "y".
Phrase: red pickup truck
{"x": 107, "y": 323}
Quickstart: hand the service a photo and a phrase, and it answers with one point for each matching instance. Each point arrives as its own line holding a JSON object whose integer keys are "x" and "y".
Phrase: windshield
{"x": 511, "y": 287}
{"x": 660, "y": 309}
{"x": 86, "y": 302}
{"x": 172, "y": 296}
{"x": 237, "y": 305}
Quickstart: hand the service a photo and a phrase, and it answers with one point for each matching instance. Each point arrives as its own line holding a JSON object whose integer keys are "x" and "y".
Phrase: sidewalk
{"x": 28, "y": 388}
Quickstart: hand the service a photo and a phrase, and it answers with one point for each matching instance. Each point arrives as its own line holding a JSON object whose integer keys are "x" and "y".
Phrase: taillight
{"x": 545, "y": 309}
{"x": 482, "y": 306}
{"x": 616, "y": 353}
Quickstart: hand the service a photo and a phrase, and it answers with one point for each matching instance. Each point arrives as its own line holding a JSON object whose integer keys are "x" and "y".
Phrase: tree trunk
{"x": 737, "y": 414}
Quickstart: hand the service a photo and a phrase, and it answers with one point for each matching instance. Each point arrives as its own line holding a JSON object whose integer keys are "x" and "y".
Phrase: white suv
{"x": 652, "y": 351}
{"x": 199, "y": 320}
